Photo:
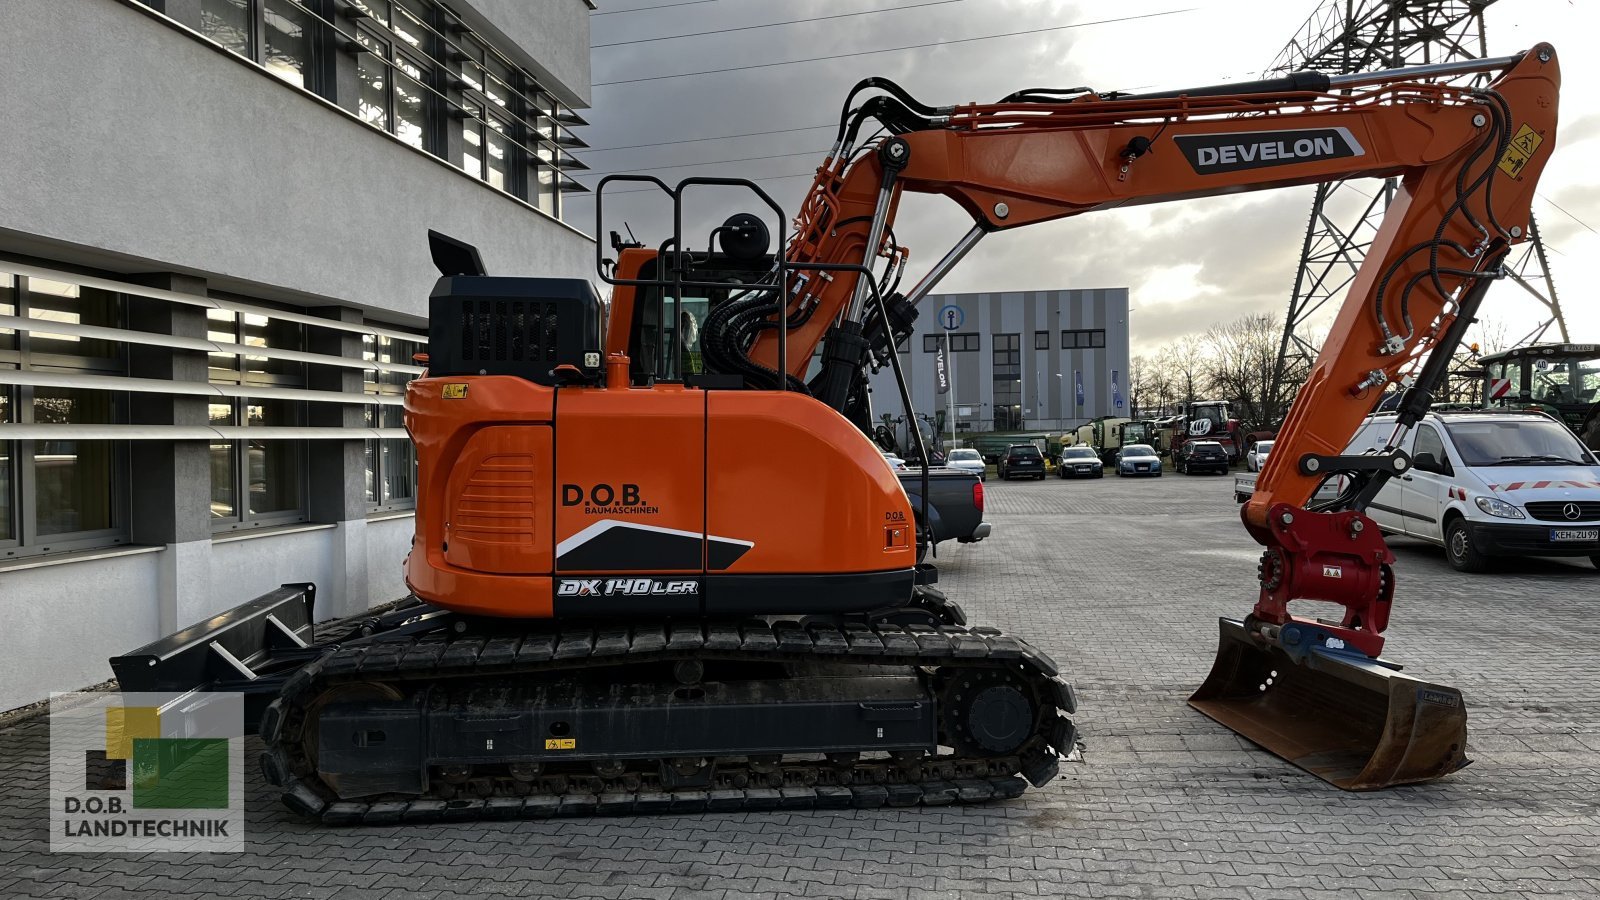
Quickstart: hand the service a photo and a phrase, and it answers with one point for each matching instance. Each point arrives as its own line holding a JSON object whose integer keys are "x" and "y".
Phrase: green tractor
{"x": 1561, "y": 379}
{"x": 1108, "y": 434}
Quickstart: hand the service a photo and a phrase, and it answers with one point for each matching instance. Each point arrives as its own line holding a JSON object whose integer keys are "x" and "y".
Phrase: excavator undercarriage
{"x": 419, "y": 715}
{"x": 719, "y": 716}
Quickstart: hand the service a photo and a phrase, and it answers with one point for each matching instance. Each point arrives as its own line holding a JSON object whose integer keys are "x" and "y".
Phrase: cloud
{"x": 1187, "y": 265}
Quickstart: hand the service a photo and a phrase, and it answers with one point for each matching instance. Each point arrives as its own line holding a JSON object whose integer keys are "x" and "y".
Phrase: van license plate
{"x": 1574, "y": 535}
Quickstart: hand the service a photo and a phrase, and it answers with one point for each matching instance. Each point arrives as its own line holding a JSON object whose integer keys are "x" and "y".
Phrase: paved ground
{"x": 1122, "y": 583}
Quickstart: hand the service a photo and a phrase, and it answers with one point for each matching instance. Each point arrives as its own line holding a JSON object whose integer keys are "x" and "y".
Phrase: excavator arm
{"x": 1467, "y": 160}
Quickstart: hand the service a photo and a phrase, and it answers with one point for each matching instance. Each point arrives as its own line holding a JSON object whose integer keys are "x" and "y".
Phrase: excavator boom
{"x": 1467, "y": 160}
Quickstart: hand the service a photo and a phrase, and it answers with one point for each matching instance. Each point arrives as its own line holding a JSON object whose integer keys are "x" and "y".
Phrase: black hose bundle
{"x": 729, "y": 331}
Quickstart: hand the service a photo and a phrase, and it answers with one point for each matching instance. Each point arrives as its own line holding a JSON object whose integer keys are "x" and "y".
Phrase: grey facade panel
{"x": 144, "y": 148}
{"x": 1048, "y": 395}
{"x": 553, "y": 36}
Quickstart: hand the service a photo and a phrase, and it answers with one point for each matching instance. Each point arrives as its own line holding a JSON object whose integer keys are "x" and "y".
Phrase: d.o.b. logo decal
{"x": 607, "y": 499}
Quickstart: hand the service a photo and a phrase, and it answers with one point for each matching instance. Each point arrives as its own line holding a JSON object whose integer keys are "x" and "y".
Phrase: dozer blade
{"x": 1355, "y": 723}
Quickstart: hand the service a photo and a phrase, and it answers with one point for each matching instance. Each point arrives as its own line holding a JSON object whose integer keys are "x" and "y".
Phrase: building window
{"x": 72, "y": 480}
{"x": 258, "y": 481}
{"x": 959, "y": 343}
{"x": 285, "y": 46}
{"x": 964, "y": 343}
{"x": 60, "y": 494}
{"x": 1083, "y": 339}
{"x": 395, "y": 91}
{"x": 1007, "y": 372}
{"x": 391, "y": 462}
{"x": 415, "y": 62}
{"x": 493, "y": 136}
{"x": 8, "y": 503}
{"x": 1041, "y": 340}
{"x": 9, "y": 360}
{"x": 228, "y": 23}
{"x": 275, "y": 34}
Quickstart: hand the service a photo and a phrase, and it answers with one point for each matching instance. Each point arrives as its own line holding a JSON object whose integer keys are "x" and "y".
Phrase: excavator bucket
{"x": 1352, "y": 722}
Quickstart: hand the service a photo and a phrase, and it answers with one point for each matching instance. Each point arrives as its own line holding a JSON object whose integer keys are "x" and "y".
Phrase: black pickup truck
{"x": 955, "y": 502}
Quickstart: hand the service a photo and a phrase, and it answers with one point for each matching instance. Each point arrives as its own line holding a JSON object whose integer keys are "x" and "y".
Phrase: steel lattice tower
{"x": 1345, "y": 36}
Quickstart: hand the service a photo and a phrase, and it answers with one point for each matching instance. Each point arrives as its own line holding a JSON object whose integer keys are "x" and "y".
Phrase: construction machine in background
{"x": 1560, "y": 379}
{"x": 1108, "y": 434}
{"x": 1203, "y": 420}
{"x": 706, "y": 627}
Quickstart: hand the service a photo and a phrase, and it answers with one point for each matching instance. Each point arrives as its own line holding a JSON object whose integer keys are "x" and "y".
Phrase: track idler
{"x": 1352, "y": 721}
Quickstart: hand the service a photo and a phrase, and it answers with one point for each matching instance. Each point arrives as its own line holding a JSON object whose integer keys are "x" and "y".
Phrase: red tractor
{"x": 1208, "y": 420}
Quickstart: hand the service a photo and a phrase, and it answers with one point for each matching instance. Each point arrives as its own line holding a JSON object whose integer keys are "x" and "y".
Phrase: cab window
{"x": 1511, "y": 371}
{"x": 1552, "y": 381}
{"x": 665, "y": 340}
{"x": 1566, "y": 380}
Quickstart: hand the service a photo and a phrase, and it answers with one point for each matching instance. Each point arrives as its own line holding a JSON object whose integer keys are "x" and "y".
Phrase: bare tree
{"x": 1149, "y": 388}
{"x": 1184, "y": 361}
{"x": 1464, "y": 379}
{"x": 1239, "y": 360}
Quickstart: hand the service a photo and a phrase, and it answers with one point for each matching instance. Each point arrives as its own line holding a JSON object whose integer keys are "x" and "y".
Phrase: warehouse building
{"x": 213, "y": 281}
{"x": 1018, "y": 361}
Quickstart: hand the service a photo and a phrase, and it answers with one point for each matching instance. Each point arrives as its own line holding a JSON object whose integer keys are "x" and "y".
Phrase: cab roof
{"x": 1582, "y": 351}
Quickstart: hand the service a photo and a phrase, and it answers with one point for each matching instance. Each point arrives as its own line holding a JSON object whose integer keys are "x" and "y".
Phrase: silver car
{"x": 968, "y": 460}
{"x": 1079, "y": 462}
{"x": 1138, "y": 459}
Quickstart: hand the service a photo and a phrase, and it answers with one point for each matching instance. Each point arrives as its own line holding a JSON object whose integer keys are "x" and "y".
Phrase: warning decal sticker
{"x": 1519, "y": 151}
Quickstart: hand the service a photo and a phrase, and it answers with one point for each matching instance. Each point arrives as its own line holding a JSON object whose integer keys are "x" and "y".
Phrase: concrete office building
{"x": 1016, "y": 359}
{"x": 213, "y": 278}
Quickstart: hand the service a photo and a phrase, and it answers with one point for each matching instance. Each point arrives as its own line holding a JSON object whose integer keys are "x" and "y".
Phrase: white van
{"x": 1490, "y": 483}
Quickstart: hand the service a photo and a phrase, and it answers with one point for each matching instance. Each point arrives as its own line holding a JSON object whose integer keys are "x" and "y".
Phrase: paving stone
{"x": 1121, "y": 583}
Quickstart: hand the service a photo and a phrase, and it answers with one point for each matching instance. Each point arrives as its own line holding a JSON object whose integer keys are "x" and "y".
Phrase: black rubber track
{"x": 800, "y": 783}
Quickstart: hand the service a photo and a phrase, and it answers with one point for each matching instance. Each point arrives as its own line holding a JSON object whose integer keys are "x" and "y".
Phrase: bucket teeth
{"x": 1355, "y": 723}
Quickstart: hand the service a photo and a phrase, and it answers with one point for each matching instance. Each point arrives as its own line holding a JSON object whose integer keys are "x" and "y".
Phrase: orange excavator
{"x": 598, "y": 630}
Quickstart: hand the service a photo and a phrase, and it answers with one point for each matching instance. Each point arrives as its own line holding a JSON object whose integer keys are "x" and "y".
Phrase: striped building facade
{"x": 1016, "y": 359}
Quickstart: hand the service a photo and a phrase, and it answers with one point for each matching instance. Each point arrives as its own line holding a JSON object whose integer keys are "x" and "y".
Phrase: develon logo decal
{"x": 1214, "y": 154}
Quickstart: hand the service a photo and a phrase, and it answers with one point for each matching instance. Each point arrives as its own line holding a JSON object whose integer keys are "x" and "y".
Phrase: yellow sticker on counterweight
{"x": 455, "y": 391}
{"x": 1519, "y": 151}
{"x": 561, "y": 743}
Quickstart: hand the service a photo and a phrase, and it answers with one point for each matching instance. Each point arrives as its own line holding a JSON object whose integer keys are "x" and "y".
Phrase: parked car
{"x": 1244, "y": 485}
{"x": 968, "y": 460}
{"x": 894, "y": 461}
{"x": 1080, "y": 462}
{"x": 1490, "y": 483}
{"x": 1257, "y": 457}
{"x": 1199, "y": 457}
{"x": 955, "y": 503}
{"x": 1137, "y": 459}
{"x": 1021, "y": 461}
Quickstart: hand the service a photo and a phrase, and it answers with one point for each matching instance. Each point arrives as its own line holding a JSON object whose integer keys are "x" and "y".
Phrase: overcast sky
{"x": 1187, "y": 265}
